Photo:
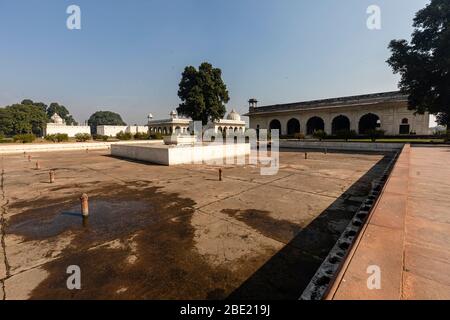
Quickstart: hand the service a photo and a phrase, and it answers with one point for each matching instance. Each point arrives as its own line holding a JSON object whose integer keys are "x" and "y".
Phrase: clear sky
{"x": 129, "y": 55}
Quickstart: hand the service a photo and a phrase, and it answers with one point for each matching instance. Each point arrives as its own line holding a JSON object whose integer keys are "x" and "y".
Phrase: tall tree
{"x": 20, "y": 118}
{"x": 203, "y": 93}
{"x": 30, "y": 102}
{"x": 104, "y": 118}
{"x": 424, "y": 63}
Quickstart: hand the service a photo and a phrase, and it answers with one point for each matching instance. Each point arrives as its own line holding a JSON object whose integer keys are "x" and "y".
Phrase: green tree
{"x": 104, "y": 118}
{"x": 30, "y": 102}
{"x": 21, "y": 119}
{"x": 424, "y": 63}
{"x": 27, "y": 102}
{"x": 203, "y": 93}
{"x": 6, "y": 122}
{"x": 62, "y": 112}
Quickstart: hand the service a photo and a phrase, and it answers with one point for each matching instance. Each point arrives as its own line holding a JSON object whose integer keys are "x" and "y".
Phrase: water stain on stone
{"x": 165, "y": 264}
{"x": 281, "y": 230}
{"x": 107, "y": 218}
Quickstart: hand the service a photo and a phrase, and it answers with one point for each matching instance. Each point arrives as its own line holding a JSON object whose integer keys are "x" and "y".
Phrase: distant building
{"x": 233, "y": 122}
{"x": 386, "y": 111}
{"x": 168, "y": 126}
{"x": 112, "y": 131}
{"x": 58, "y": 125}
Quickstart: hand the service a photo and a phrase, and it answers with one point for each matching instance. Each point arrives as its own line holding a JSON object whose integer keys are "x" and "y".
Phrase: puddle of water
{"x": 151, "y": 226}
{"x": 113, "y": 211}
{"x": 106, "y": 218}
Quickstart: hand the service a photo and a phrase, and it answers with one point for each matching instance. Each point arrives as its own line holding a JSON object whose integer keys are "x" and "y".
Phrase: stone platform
{"x": 181, "y": 154}
{"x": 175, "y": 232}
{"x": 407, "y": 236}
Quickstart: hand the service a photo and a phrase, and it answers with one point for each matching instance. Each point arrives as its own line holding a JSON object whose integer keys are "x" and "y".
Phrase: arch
{"x": 219, "y": 129}
{"x": 177, "y": 129}
{"x": 340, "y": 123}
{"x": 404, "y": 127}
{"x": 275, "y": 125}
{"x": 315, "y": 124}
{"x": 293, "y": 127}
{"x": 235, "y": 129}
{"x": 368, "y": 122}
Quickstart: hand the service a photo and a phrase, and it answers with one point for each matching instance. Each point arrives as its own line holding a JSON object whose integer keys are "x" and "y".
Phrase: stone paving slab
{"x": 424, "y": 261}
{"x": 408, "y": 234}
{"x": 419, "y": 288}
{"x": 353, "y": 285}
{"x": 159, "y": 232}
{"x": 2, "y": 266}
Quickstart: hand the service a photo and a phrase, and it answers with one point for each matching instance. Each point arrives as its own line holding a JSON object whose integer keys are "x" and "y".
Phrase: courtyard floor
{"x": 157, "y": 232}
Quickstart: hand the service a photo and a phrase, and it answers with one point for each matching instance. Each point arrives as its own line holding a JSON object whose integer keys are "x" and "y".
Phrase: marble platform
{"x": 181, "y": 154}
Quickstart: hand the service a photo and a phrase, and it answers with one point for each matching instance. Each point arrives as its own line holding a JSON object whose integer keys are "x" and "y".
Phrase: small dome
{"x": 173, "y": 114}
{"x": 233, "y": 115}
{"x": 150, "y": 116}
{"x": 57, "y": 119}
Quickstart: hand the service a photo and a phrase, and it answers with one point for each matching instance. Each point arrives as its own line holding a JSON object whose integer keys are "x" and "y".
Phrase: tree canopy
{"x": 203, "y": 93}
{"x": 30, "y": 102}
{"x": 105, "y": 118}
{"x": 424, "y": 63}
{"x": 22, "y": 118}
{"x": 30, "y": 117}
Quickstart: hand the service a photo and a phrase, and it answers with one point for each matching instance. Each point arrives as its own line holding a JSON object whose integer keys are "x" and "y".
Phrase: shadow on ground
{"x": 290, "y": 270}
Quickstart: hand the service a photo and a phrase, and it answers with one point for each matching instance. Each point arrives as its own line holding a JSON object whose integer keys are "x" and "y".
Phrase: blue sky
{"x": 129, "y": 55}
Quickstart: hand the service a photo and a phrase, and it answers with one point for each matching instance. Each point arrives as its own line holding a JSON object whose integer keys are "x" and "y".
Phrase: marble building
{"x": 385, "y": 111}
{"x": 175, "y": 123}
{"x": 58, "y": 125}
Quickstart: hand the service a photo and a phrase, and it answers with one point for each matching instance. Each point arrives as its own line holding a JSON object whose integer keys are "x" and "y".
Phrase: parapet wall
{"x": 112, "y": 131}
{"x": 53, "y": 147}
{"x": 71, "y": 131}
{"x": 183, "y": 154}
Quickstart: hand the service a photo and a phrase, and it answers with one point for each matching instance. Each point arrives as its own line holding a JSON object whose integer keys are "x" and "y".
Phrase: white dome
{"x": 173, "y": 114}
{"x": 233, "y": 115}
{"x": 57, "y": 119}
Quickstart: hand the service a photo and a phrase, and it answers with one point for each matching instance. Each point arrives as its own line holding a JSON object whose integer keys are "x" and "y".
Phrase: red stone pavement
{"x": 407, "y": 235}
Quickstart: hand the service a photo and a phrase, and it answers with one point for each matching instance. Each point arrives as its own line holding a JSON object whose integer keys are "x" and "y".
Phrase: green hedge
{"x": 141, "y": 136}
{"x": 100, "y": 137}
{"x": 156, "y": 136}
{"x": 57, "y": 137}
{"x": 320, "y": 134}
{"x": 82, "y": 137}
{"x": 124, "y": 135}
{"x": 24, "y": 138}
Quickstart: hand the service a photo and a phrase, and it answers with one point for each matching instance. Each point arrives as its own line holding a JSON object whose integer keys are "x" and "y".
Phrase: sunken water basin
{"x": 181, "y": 153}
